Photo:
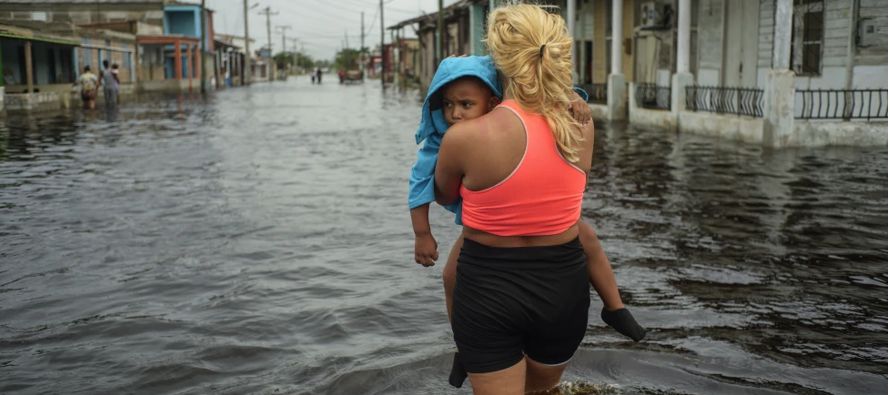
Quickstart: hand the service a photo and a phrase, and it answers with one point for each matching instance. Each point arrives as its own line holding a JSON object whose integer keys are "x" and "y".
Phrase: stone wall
{"x": 833, "y": 133}
{"x": 728, "y": 127}
{"x": 662, "y": 119}
{"x": 32, "y": 101}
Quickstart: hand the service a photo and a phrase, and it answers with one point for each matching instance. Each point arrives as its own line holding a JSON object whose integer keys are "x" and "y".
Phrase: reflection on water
{"x": 258, "y": 241}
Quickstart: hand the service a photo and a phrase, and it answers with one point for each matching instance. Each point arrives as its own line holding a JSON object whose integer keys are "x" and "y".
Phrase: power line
{"x": 373, "y": 21}
{"x": 333, "y": 5}
{"x": 417, "y": 11}
{"x": 325, "y": 35}
{"x": 333, "y": 17}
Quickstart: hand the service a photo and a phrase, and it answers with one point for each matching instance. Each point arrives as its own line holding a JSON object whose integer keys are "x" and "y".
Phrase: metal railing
{"x": 844, "y": 104}
{"x": 725, "y": 100}
{"x": 596, "y": 93}
{"x": 652, "y": 96}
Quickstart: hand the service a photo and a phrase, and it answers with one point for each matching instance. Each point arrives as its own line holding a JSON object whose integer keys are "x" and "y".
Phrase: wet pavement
{"x": 258, "y": 241}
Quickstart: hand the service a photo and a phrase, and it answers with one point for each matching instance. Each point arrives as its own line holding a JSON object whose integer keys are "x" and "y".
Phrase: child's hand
{"x": 579, "y": 109}
{"x": 425, "y": 249}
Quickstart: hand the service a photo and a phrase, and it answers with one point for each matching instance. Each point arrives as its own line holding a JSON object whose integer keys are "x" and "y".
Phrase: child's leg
{"x": 449, "y": 273}
{"x": 598, "y": 268}
{"x": 449, "y": 280}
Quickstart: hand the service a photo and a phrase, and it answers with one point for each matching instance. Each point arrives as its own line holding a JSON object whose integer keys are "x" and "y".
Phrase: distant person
{"x": 110, "y": 85}
{"x": 115, "y": 72}
{"x": 89, "y": 87}
{"x": 318, "y": 74}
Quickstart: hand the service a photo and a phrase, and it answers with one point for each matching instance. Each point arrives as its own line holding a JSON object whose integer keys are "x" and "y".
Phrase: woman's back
{"x": 492, "y": 149}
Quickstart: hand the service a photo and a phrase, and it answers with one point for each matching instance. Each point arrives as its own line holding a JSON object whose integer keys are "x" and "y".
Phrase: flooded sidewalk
{"x": 258, "y": 241}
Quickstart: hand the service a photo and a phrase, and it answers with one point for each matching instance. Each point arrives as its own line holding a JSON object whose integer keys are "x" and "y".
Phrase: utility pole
{"x": 203, "y": 48}
{"x": 283, "y": 39}
{"x": 283, "y": 29}
{"x": 268, "y": 13}
{"x": 361, "y": 49}
{"x": 382, "y": 57}
{"x": 294, "y": 52}
{"x": 440, "y": 46}
{"x": 246, "y": 67}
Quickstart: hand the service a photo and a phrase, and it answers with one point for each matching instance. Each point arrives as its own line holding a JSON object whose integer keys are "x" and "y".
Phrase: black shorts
{"x": 511, "y": 302}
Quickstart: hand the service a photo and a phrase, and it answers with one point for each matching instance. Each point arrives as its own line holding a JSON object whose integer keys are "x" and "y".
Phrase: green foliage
{"x": 286, "y": 59}
{"x": 347, "y": 59}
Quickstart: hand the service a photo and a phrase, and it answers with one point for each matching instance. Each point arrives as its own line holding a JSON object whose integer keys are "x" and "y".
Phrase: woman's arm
{"x": 449, "y": 169}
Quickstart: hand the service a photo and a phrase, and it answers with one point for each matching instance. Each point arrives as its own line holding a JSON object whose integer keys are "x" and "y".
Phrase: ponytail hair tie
{"x": 541, "y": 54}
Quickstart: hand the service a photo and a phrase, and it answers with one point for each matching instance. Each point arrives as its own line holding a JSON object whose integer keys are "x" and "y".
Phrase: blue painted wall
{"x": 182, "y": 19}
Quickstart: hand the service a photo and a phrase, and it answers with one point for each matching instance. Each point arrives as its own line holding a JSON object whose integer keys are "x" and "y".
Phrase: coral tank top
{"x": 542, "y": 196}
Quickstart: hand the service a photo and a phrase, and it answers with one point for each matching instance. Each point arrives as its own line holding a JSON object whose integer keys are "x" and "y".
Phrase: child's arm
{"x": 425, "y": 247}
{"x": 421, "y": 192}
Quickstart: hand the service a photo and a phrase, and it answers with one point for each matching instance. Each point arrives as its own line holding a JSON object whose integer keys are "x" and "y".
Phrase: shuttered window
{"x": 807, "y": 34}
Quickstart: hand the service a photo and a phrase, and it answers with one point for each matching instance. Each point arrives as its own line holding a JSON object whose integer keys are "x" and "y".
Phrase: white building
{"x": 724, "y": 56}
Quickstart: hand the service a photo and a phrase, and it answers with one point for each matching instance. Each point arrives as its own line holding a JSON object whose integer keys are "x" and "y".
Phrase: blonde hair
{"x": 532, "y": 48}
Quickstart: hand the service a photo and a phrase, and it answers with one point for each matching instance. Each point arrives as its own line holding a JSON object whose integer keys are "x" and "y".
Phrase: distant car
{"x": 350, "y": 76}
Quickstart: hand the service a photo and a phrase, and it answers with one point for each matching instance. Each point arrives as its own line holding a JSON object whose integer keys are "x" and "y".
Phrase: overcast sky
{"x": 319, "y": 24}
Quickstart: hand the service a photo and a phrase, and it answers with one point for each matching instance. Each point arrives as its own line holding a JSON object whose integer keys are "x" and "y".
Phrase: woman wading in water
{"x": 521, "y": 295}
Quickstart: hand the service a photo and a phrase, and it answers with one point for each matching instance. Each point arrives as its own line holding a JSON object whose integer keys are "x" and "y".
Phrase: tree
{"x": 285, "y": 59}
{"x": 347, "y": 59}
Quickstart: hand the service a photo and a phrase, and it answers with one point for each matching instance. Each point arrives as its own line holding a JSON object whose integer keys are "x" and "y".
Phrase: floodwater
{"x": 258, "y": 241}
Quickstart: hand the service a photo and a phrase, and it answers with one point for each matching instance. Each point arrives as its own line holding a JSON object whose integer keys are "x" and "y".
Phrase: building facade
{"x": 156, "y": 43}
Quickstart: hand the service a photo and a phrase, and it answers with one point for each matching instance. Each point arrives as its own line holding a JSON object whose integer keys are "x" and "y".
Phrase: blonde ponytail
{"x": 532, "y": 48}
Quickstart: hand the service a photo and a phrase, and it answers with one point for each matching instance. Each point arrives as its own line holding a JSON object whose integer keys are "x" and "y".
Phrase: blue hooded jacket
{"x": 421, "y": 186}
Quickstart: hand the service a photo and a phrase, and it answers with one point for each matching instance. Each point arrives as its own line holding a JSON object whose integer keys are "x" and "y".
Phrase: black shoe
{"x": 458, "y": 374}
{"x": 623, "y": 322}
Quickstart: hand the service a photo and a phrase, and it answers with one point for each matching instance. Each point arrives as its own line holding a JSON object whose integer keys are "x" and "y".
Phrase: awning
{"x": 31, "y": 35}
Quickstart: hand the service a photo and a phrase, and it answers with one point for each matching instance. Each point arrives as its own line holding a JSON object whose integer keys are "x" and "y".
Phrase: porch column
{"x": 683, "y": 77}
{"x": 683, "y": 27}
{"x": 134, "y": 55}
{"x": 617, "y": 87}
{"x": 617, "y": 35}
{"x": 190, "y": 61}
{"x": 199, "y": 68}
{"x": 188, "y": 58}
{"x": 570, "y": 21}
{"x": 29, "y": 67}
{"x": 778, "y": 122}
{"x": 177, "y": 60}
{"x": 782, "y": 35}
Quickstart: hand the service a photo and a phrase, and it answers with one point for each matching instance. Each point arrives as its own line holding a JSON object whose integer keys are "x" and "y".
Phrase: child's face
{"x": 465, "y": 99}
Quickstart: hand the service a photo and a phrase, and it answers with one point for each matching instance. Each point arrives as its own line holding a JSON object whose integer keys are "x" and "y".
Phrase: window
{"x": 807, "y": 34}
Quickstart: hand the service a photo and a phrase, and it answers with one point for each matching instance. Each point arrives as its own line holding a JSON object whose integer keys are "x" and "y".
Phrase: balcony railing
{"x": 844, "y": 104}
{"x": 596, "y": 93}
{"x": 653, "y": 96}
{"x": 725, "y": 100}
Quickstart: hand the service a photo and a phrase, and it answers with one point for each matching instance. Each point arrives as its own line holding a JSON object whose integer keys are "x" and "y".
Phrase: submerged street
{"x": 259, "y": 241}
